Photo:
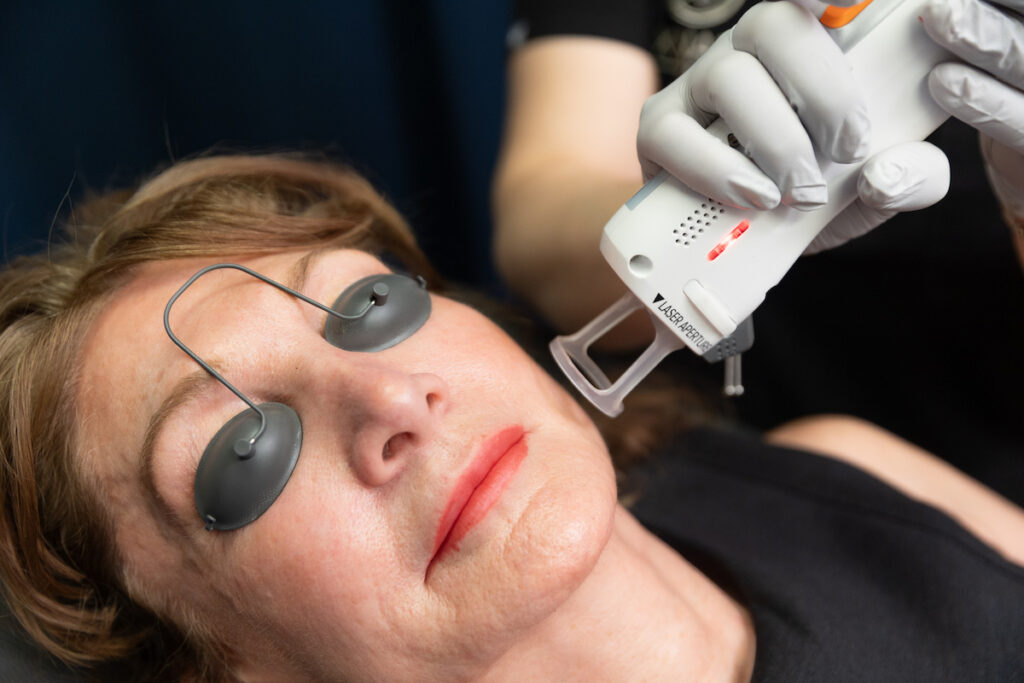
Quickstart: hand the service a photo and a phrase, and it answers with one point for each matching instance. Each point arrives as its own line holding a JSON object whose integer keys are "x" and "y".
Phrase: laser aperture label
{"x": 676, "y": 319}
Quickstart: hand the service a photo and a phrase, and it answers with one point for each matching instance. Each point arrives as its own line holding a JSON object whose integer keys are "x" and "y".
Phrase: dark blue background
{"x": 96, "y": 93}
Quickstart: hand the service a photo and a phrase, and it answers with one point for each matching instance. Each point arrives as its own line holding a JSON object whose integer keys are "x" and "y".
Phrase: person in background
{"x": 933, "y": 283}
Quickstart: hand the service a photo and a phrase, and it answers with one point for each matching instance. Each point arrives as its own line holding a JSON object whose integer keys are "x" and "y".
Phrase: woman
{"x": 452, "y": 514}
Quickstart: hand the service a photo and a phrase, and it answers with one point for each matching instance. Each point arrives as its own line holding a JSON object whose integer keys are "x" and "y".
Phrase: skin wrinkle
{"x": 180, "y": 606}
{"x": 231, "y": 593}
{"x": 517, "y": 568}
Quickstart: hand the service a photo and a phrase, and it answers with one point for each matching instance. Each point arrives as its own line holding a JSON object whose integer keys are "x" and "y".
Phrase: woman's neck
{"x": 643, "y": 613}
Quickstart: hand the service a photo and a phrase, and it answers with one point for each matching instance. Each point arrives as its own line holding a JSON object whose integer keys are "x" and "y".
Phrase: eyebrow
{"x": 298, "y": 274}
{"x": 190, "y": 387}
{"x": 187, "y": 388}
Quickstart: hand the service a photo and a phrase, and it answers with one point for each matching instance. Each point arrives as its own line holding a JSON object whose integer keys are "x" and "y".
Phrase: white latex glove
{"x": 987, "y": 92}
{"x": 779, "y": 82}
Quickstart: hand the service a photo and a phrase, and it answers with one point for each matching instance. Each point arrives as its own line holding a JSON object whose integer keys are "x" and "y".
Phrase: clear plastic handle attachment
{"x": 571, "y": 352}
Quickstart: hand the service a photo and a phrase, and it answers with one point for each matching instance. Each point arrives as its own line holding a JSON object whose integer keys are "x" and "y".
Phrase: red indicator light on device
{"x": 728, "y": 239}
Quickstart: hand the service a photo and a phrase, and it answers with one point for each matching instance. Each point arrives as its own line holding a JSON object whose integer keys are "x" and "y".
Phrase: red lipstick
{"x": 480, "y": 486}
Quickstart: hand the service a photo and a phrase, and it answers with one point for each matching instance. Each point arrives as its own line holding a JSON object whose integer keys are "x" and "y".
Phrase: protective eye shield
{"x": 250, "y": 459}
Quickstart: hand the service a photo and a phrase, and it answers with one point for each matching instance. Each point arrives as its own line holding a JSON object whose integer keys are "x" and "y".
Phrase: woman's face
{"x": 395, "y": 550}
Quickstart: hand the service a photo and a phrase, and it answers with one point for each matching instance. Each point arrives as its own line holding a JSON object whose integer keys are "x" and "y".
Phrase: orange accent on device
{"x": 834, "y": 17}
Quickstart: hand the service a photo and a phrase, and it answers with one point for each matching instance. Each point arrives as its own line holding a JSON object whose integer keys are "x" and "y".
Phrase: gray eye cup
{"x": 402, "y": 305}
{"x": 246, "y": 465}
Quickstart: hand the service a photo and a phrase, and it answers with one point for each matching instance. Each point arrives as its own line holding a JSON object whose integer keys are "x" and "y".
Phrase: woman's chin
{"x": 544, "y": 551}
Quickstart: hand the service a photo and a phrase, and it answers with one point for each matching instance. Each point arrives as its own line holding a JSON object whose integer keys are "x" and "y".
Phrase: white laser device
{"x": 699, "y": 267}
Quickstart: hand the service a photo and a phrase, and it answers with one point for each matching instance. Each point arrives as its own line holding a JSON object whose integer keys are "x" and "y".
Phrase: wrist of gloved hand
{"x": 1005, "y": 169}
{"x": 986, "y": 92}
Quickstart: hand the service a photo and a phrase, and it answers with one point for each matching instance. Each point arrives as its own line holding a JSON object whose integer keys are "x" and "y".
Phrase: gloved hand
{"x": 987, "y": 92}
{"x": 777, "y": 59}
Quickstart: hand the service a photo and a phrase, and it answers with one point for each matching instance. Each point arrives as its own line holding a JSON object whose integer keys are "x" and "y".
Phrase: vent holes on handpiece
{"x": 692, "y": 227}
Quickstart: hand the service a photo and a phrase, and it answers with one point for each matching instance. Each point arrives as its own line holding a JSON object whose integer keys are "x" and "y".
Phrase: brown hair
{"x": 58, "y": 566}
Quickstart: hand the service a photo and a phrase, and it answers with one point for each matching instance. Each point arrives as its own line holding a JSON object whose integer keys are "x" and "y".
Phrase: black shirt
{"x": 846, "y": 578}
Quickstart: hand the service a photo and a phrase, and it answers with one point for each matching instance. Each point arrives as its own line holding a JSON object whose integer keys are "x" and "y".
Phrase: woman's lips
{"x": 479, "y": 487}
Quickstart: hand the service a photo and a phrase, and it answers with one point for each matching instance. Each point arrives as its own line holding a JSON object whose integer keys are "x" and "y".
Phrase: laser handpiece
{"x": 700, "y": 268}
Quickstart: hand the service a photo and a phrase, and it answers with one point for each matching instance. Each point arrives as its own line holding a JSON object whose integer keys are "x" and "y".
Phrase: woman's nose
{"x": 393, "y": 418}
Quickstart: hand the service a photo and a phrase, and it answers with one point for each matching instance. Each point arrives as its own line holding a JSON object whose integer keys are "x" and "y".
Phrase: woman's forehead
{"x": 127, "y": 357}
{"x": 124, "y": 364}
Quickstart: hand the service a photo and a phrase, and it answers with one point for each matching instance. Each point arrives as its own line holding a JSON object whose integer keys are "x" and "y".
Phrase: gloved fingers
{"x": 745, "y": 96}
{"x": 661, "y": 138}
{"x": 683, "y": 147}
{"x": 904, "y": 177}
{"x": 987, "y": 92}
{"x": 980, "y": 34}
{"x": 981, "y": 101}
{"x": 677, "y": 97}
{"x": 855, "y": 220}
{"x": 812, "y": 71}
